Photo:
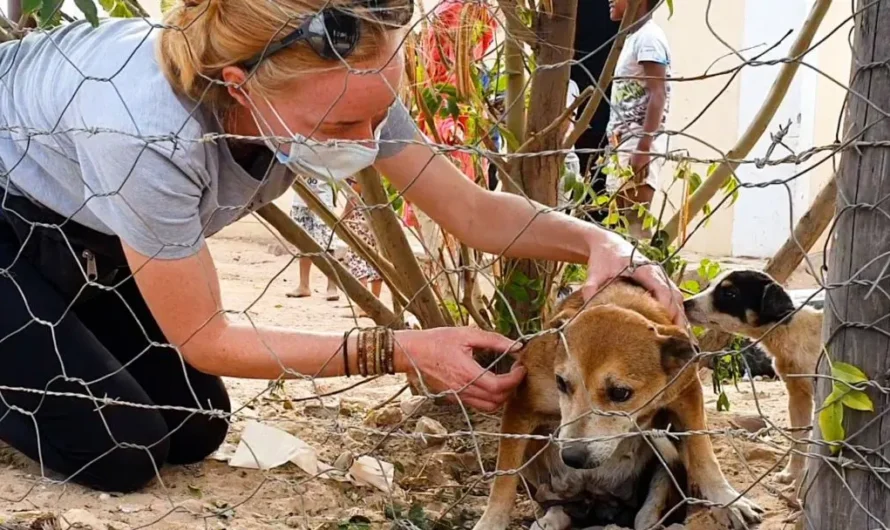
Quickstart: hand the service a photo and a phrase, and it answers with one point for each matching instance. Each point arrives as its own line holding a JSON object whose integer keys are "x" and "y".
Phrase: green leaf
{"x": 858, "y": 400}
{"x": 670, "y": 4}
{"x": 49, "y": 10}
{"x": 517, "y": 292}
{"x": 691, "y": 286}
{"x": 520, "y": 278}
{"x": 167, "y": 5}
{"x": 30, "y": 7}
{"x": 89, "y": 10}
{"x": 848, "y": 373}
{"x": 723, "y": 402}
{"x": 432, "y": 100}
{"x": 116, "y": 8}
{"x": 831, "y": 422}
{"x": 501, "y": 84}
{"x": 453, "y": 108}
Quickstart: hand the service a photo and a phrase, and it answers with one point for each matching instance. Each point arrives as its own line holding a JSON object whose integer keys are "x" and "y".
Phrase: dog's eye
{"x": 561, "y": 385}
{"x": 619, "y": 394}
{"x": 730, "y": 292}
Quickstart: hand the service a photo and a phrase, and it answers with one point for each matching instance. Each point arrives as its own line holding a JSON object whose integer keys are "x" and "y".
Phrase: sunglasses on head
{"x": 334, "y": 32}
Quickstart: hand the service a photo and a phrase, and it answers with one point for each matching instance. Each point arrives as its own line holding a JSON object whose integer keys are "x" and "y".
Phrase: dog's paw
{"x": 555, "y": 519}
{"x": 734, "y": 511}
{"x": 492, "y": 522}
{"x": 787, "y": 476}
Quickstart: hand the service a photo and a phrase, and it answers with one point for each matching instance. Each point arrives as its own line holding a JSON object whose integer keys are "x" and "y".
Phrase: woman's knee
{"x": 196, "y": 435}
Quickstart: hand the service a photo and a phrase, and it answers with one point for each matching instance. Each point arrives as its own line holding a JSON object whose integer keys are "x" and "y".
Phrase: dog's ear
{"x": 676, "y": 349}
{"x": 566, "y": 308}
{"x": 775, "y": 305}
{"x": 559, "y": 319}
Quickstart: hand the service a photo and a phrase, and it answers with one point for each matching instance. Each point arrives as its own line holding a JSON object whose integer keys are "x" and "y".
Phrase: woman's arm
{"x": 493, "y": 222}
{"x": 508, "y": 224}
{"x": 184, "y": 297}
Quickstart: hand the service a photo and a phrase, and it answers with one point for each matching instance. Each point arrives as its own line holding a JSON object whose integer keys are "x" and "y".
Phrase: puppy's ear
{"x": 676, "y": 349}
{"x": 775, "y": 305}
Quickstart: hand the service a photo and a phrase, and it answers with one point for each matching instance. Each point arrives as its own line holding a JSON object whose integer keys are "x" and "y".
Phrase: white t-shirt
{"x": 629, "y": 97}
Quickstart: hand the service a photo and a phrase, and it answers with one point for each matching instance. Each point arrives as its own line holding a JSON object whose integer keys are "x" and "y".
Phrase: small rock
{"x": 344, "y": 461}
{"x": 80, "y": 519}
{"x": 432, "y": 432}
{"x": 749, "y": 422}
{"x": 104, "y": 497}
{"x": 384, "y": 417}
{"x": 130, "y": 508}
{"x": 292, "y": 522}
{"x": 756, "y": 453}
{"x": 412, "y": 405}
{"x": 758, "y": 378}
{"x": 458, "y": 464}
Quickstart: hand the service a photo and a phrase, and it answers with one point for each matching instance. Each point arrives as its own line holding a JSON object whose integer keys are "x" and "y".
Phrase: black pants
{"x": 99, "y": 344}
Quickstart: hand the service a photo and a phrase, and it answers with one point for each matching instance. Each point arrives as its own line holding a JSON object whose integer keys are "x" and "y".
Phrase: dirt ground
{"x": 439, "y": 481}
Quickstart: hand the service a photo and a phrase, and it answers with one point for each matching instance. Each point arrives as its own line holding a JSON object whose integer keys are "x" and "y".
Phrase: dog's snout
{"x": 575, "y": 456}
{"x": 688, "y": 305}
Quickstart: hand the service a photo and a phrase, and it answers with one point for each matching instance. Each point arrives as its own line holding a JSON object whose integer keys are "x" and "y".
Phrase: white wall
{"x": 764, "y": 217}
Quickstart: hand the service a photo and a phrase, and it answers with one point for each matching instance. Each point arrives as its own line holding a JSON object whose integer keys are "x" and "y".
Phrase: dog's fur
{"x": 750, "y": 303}
{"x": 619, "y": 354}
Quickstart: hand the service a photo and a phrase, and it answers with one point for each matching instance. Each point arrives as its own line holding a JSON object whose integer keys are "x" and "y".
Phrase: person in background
{"x": 320, "y": 232}
{"x": 640, "y": 104}
{"x": 356, "y": 220}
{"x": 593, "y": 41}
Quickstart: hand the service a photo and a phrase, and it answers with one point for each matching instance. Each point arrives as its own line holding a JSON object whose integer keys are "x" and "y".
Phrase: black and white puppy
{"x": 750, "y": 303}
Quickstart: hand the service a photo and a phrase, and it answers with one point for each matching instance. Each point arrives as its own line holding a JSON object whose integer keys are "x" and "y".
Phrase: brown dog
{"x": 751, "y": 303}
{"x": 610, "y": 368}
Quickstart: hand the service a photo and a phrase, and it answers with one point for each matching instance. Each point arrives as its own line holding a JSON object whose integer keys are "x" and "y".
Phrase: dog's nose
{"x": 575, "y": 456}
{"x": 688, "y": 305}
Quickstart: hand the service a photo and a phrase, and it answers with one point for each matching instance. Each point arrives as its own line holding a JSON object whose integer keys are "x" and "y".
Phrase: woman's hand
{"x": 616, "y": 257}
{"x": 443, "y": 357}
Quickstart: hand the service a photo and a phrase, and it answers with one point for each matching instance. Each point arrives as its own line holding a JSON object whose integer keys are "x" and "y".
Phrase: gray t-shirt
{"x": 90, "y": 128}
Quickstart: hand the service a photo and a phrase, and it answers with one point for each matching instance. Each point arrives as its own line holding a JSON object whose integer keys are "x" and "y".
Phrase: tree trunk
{"x": 856, "y": 328}
{"x": 539, "y": 175}
{"x": 421, "y": 299}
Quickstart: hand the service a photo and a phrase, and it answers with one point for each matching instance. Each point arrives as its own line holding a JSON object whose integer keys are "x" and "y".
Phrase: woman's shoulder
{"x": 107, "y": 80}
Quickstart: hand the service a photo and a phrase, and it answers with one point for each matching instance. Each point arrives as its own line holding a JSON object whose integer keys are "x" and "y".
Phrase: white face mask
{"x": 328, "y": 160}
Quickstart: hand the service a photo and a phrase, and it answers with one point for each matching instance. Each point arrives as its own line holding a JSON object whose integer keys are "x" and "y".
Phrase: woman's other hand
{"x": 443, "y": 357}
{"x": 616, "y": 257}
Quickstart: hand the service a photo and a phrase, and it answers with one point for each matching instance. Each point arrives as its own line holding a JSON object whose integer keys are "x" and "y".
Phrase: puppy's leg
{"x": 800, "y": 413}
{"x": 701, "y": 463}
{"x": 555, "y": 519}
{"x": 656, "y": 501}
{"x": 511, "y": 456}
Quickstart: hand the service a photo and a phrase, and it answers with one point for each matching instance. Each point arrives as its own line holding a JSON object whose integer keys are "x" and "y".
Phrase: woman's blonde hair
{"x": 201, "y": 37}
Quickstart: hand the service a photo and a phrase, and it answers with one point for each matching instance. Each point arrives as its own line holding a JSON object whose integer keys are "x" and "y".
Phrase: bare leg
{"x": 332, "y": 294}
{"x": 303, "y": 290}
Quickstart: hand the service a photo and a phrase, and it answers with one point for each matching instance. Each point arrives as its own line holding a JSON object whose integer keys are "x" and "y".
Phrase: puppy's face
{"x": 611, "y": 372}
{"x": 739, "y": 302}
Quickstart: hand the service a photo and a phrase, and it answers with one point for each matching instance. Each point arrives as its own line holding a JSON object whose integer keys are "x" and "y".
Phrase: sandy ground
{"x": 440, "y": 481}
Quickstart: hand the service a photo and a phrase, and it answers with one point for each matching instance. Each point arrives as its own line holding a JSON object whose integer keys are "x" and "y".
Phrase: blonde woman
{"x": 123, "y": 147}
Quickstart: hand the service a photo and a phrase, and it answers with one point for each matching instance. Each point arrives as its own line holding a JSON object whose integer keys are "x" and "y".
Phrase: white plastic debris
{"x": 266, "y": 447}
